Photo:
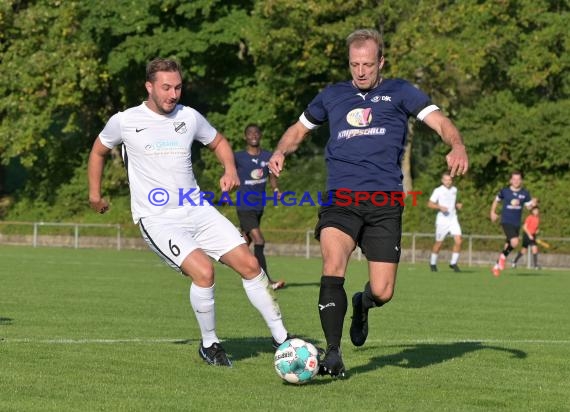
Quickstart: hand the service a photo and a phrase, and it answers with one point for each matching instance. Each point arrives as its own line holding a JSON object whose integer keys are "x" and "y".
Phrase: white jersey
{"x": 156, "y": 151}
{"x": 447, "y": 198}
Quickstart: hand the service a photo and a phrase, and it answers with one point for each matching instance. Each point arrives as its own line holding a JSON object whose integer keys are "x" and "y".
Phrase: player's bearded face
{"x": 165, "y": 91}
{"x": 364, "y": 64}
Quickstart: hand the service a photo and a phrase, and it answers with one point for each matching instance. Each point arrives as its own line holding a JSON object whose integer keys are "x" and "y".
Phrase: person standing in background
{"x": 444, "y": 200}
{"x": 253, "y": 174}
{"x": 530, "y": 232}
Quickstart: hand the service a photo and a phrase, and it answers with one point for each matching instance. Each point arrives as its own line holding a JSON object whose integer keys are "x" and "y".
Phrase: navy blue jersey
{"x": 368, "y": 132}
{"x": 513, "y": 202}
{"x": 253, "y": 174}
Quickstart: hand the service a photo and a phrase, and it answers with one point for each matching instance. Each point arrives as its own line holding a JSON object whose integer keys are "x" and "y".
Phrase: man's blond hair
{"x": 361, "y": 35}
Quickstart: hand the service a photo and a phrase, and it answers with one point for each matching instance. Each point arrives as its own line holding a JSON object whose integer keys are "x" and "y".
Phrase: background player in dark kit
{"x": 253, "y": 174}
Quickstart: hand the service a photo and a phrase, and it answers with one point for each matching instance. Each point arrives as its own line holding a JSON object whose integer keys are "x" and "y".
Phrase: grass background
{"x": 92, "y": 330}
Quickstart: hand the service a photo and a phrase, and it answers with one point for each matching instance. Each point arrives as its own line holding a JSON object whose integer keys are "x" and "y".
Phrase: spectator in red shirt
{"x": 530, "y": 230}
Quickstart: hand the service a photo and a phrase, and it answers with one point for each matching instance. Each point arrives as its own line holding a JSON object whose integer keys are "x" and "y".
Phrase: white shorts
{"x": 174, "y": 234}
{"x": 446, "y": 227}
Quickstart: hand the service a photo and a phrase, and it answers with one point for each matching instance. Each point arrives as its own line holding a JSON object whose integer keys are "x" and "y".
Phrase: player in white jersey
{"x": 174, "y": 219}
{"x": 444, "y": 200}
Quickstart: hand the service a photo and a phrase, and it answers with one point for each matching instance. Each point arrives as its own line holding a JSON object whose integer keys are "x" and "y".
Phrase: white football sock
{"x": 202, "y": 301}
{"x": 258, "y": 292}
{"x": 454, "y": 258}
{"x": 433, "y": 259}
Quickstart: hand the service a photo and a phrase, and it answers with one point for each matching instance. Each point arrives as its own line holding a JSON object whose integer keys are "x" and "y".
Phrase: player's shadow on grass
{"x": 428, "y": 354}
{"x": 5, "y": 321}
{"x": 250, "y": 347}
{"x": 239, "y": 348}
{"x": 529, "y": 274}
{"x": 244, "y": 348}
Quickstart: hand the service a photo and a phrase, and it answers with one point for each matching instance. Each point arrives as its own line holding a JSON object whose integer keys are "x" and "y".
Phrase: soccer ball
{"x": 296, "y": 361}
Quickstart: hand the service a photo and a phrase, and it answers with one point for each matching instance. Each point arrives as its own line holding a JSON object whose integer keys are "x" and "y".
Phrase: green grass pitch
{"x": 93, "y": 330}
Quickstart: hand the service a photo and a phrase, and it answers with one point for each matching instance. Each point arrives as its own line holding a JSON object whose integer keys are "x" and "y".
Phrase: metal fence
{"x": 61, "y": 234}
{"x": 416, "y": 247}
{"x": 476, "y": 250}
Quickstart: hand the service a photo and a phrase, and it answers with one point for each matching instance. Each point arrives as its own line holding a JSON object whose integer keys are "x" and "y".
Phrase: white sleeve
{"x": 111, "y": 136}
{"x": 205, "y": 132}
{"x": 434, "y": 196}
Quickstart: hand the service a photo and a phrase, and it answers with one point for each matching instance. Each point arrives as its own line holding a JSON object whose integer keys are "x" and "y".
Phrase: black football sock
{"x": 260, "y": 255}
{"x": 519, "y": 255}
{"x": 332, "y": 308}
{"x": 507, "y": 250}
{"x": 368, "y": 299}
{"x": 535, "y": 259}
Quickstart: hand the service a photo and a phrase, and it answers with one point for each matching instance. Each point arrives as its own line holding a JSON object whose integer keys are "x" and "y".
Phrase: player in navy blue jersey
{"x": 368, "y": 122}
{"x": 253, "y": 174}
{"x": 513, "y": 198}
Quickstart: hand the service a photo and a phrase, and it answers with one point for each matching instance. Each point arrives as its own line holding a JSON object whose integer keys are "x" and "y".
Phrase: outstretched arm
{"x": 457, "y": 160}
{"x": 95, "y": 174}
{"x": 289, "y": 142}
{"x": 223, "y": 151}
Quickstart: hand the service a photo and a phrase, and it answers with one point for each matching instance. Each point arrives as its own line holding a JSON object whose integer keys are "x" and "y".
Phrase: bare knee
{"x": 257, "y": 237}
{"x": 242, "y": 261}
{"x": 202, "y": 276}
{"x": 249, "y": 267}
{"x": 385, "y": 295}
{"x": 382, "y": 292}
{"x": 198, "y": 267}
{"x": 382, "y": 281}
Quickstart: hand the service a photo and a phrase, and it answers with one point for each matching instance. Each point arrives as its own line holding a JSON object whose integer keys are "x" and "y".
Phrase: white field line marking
{"x": 65, "y": 341}
{"x": 404, "y": 342}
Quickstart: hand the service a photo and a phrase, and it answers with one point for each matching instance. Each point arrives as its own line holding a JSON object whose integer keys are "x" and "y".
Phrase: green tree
{"x": 49, "y": 86}
{"x": 498, "y": 68}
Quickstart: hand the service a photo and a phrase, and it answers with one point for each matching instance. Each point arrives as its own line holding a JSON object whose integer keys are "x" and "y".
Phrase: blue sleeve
{"x": 413, "y": 99}
{"x": 501, "y": 194}
{"x": 316, "y": 111}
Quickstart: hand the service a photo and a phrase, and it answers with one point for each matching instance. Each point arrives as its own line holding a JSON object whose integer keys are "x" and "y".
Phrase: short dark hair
{"x": 161, "y": 65}
{"x": 251, "y": 125}
{"x": 517, "y": 172}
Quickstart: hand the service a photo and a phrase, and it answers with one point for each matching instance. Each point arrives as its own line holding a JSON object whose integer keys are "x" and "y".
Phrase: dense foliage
{"x": 498, "y": 68}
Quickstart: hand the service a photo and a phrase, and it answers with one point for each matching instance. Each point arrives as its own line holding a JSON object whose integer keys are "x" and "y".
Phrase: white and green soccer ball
{"x": 296, "y": 361}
